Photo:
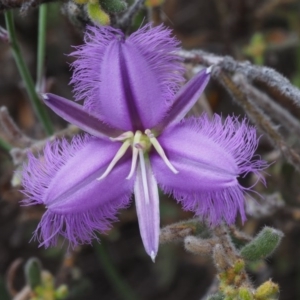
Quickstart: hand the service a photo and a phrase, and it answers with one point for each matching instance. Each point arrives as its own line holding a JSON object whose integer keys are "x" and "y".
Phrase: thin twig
{"x": 3, "y": 35}
{"x": 273, "y": 109}
{"x": 11, "y": 274}
{"x": 257, "y": 116}
{"x": 265, "y": 75}
{"x": 175, "y": 232}
{"x": 235, "y": 232}
{"x": 126, "y": 20}
{"x": 230, "y": 253}
{"x": 222, "y": 234}
{"x": 24, "y": 5}
{"x": 200, "y": 246}
{"x": 41, "y": 47}
{"x": 268, "y": 7}
{"x": 14, "y": 135}
{"x": 20, "y": 155}
{"x": 271, "y": 204}
{"x": 179, "y": 231}
{"x": 24, "y": 294}
{"x": 39, "y": 108}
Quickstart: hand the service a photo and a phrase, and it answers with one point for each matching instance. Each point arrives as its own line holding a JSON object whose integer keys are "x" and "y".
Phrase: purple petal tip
{"x": 153, "y": 256}
{"x": 209, "y": 69}
{"x": 45, "y": 96}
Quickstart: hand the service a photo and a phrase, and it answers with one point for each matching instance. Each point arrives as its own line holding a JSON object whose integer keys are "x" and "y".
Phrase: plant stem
{"x": 120, "y": 286}
{"x": 24, "y": 72}
{"x": 41, "y": 46}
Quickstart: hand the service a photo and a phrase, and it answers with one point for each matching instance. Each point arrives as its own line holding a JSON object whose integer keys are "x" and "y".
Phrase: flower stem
{"x": 124, "y": 291}
{"x": 24, "y": 72}
{"x": 41, "y": 46}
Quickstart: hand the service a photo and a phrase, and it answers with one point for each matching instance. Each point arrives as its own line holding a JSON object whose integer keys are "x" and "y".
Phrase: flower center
{"x": 140, "y": 144}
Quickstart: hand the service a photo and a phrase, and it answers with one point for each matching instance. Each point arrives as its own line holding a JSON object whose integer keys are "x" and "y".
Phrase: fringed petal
{"x": 158, "y": 46}
{"x": 64, "y": 179}
{"x": 80, "y": 227}
{"x": 137, "y": 76}
{"x": 86, "y": 77}
{"x": 209, "y": 155}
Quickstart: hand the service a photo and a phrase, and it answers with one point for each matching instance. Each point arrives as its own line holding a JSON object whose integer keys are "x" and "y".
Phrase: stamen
{"x": 117, "y": 157}
{"x": 124, "y": 136}
{"x": 135, "y": 152}
{"x": 144, "y": 176}
{"x": 160, "y": 150}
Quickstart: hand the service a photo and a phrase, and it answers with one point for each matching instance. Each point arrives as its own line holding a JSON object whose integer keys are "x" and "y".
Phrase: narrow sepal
{"x": 147, "y": 206}
{"x": 185, "y": 99}
{"x": 77, "y": 115}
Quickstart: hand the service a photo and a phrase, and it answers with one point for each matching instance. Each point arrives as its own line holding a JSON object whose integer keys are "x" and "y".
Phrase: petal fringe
{"x": 214, "y": 207}
{"x": 237, "y": 138}
{"x": 210, "y": 155}
{"x": 158, "y": 46}
{"x": 78, "y": 228}
{"x": 38, "y": 172}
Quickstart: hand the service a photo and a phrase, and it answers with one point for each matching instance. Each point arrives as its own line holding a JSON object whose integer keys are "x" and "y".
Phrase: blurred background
{"x": 264, "y": 32}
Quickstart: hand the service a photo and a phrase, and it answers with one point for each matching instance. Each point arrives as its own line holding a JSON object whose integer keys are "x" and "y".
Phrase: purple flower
{"x": 136, "y": 140}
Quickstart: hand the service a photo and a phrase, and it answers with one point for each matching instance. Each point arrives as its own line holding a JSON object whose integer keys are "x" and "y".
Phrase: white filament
{"x": 124, "y": 136}
{"x": 138, "y": 148}
{"x": 135, "y": 152}
{"x": 117, "y": 157}
{"x": 160, "y": 150}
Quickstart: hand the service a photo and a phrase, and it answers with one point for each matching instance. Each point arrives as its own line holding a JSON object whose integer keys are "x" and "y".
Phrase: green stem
{"x": 124, "y": 291}
{"x": 4, "y": 145}
{"x": 24, "y": 72}
{"x": 41, "y": 45}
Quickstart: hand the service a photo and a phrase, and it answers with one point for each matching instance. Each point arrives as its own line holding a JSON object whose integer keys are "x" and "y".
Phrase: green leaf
{"x": 113, "y": 6}
{"x": 263, "y": 245}
{"x": 33, "y": 271}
